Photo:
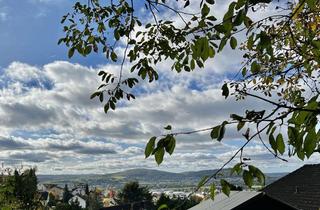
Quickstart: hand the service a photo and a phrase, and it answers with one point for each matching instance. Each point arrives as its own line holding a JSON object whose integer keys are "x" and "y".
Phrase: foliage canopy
{"x": 132, "y": 192}
{"x": 280, "y": 65}
{"x": 18, "y": 190}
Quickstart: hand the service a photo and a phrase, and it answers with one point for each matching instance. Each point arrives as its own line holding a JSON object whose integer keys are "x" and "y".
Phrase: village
{"x": 81, "y": 194}
{"x": 287, "y": 193}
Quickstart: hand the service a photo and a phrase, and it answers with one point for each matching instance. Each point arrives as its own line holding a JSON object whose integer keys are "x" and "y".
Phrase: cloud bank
{"x": 48, "y": 120}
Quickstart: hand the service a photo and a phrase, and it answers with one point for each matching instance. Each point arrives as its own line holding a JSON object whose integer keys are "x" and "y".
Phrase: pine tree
{"x": 87, "y": 189}
{"x": 66, "y": 194}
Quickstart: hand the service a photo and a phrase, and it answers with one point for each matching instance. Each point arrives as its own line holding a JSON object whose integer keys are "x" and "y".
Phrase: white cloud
{"x": 58, "y": 127}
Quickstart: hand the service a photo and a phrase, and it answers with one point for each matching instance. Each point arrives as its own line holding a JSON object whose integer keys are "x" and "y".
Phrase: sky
{"x": 47, "y": 119}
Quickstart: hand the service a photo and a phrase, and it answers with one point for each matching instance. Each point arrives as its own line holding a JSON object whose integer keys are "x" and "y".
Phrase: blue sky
{"x": 30, "y": 31}
{"x": 48, "y": 121}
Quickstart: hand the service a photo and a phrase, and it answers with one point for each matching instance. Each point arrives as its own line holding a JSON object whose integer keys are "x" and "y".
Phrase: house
{"x": 78, "y": 191}
{"x": 82, "y": 202}
{"x": 56, "y": 191}
{"x": 299, "y": 190}
{"x": 107, "y": 202}
{"x": 41, "y": 187}
{"x": 45, "y": 187}
{"x": 223, "y": 202}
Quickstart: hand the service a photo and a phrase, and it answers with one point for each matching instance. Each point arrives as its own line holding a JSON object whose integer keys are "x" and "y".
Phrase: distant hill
{"x": 149, "y": 177}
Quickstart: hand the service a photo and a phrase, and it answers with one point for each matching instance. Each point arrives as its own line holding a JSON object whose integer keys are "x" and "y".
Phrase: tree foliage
{"x": 74, "y": 205}
{"x": 132, "y": 192}
{"x": 94, "y": 201}
{"x": 66, "y": 194}
{"x": 166, "y": 203}
{"x": 19, "y": 190}
{"x": 280, "y": 65}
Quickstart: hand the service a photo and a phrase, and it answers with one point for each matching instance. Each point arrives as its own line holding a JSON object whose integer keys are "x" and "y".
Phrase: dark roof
{"x": 299, "y": 189}
{"x": 44, "y": 195}
{"x": 263, "y": 202}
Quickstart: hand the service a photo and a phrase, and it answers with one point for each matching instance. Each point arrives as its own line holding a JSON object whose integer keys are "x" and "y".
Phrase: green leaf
{"x": 222, "y": 44}
{"x": 106, "y": 108}
{"x": 212, "y": 18}
{"x": 150, "y": 146}
{"x": 240, "y": 125}
{"x": 163, "y": 206}
{"x": 233, "y": 43}
{"x": 272, "y": 142}
{"x": 170, "y": 146}
{"x": 168, "y": 127}
{"x": 211, "y": 52}
{"x": 159, "y": 155}
{"x": 250, "y": 42}
{"x": 240, "y": 3}
{"x": 187, "y": 3}
{"x": 255, "y": 172}
{"x": 265, "y": 40}
{"x": 236, "y": 117}
{"x": 101, "y": 97}
{"x": 255, "y": 67}
{"x": 205, "y": 10}
{"x": 101, "y": 73}
{"x": 87, "y": 50}
{"x": 280, "y": 144}
{"x": 221, "y": 131}
{"x": 270, "y": 127}
{"x": 114, "y": 56}
{"x": 112, "y": 105}
{"x": 220, "y": 28}
{"x": 312, "y": 4}
{"x": 247, "y": 178}
{"x": 212, "y": 191}
{"x": 71, "y": 52}
{"x": 229, "y": 14}
{"x": 215, "y": 132}
{"x": 225, "y": 187}
{"x": 210, "y": 1}
{"x": 310, "y": 142}
{"x": 225, "y": 90}
{"x": 94, "y": 94}
{"x": 116, "y": 34}
{"x": 202, "y": 181}
{"x": 236, "y": 168}
{"x": 239, "y": 18}
{"x": 300, "y": 155}
{"x": 192, "y": 64}
{"x": 261, "y": 177}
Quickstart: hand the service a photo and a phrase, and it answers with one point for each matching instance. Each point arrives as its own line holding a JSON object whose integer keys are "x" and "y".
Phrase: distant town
{"x": 281, "y": 192}
{"x": 104, "y": 189}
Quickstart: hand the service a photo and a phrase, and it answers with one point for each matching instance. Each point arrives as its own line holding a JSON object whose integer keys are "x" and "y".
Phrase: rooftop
{"x": 223, "y": 202}
{"x": 300, "y": 189}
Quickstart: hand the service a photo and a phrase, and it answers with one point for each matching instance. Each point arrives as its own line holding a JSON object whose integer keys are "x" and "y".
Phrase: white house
{"x": 78, "y": 191}
{"x": 41, "y": 187}
{"x": 82, "y": 202}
